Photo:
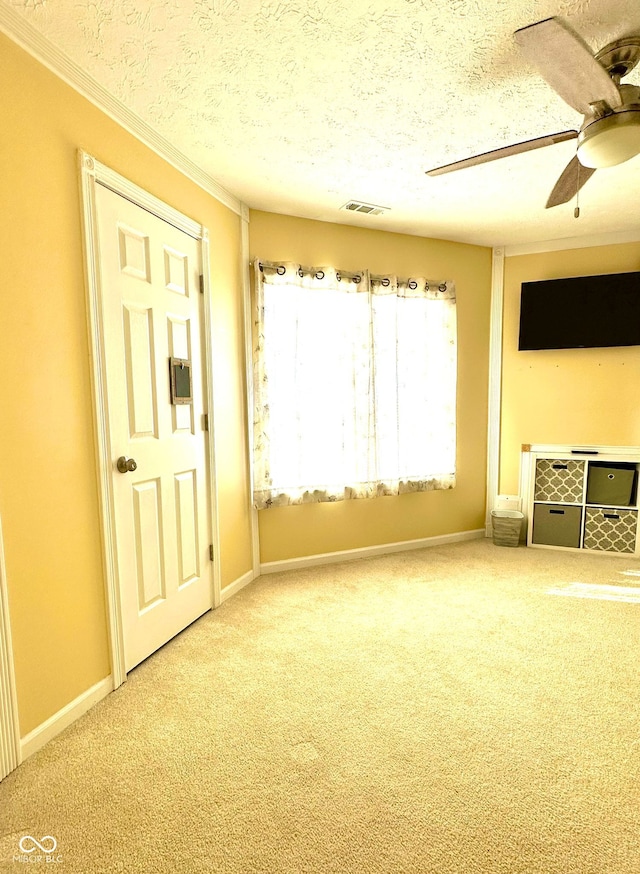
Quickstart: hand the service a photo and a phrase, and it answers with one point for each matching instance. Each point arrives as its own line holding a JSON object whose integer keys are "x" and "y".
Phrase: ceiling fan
{"x": 610, "y": 131}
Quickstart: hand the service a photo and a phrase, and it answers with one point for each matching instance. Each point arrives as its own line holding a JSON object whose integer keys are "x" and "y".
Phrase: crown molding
{"x": 24, "y": 34}
{"x": 589, "y": 242}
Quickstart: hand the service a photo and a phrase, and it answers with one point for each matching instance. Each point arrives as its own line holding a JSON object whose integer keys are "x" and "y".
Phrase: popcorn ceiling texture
{"x": 297, "y": 107}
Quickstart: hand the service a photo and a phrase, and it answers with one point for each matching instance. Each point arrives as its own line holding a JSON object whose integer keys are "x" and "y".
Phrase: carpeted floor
{"x": 454, "y": 709}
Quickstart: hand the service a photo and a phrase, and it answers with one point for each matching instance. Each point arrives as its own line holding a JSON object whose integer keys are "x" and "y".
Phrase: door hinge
{"x": 202, "y": 283}
{"x": 211, "y": 552}
{"x": 205, "y": 421}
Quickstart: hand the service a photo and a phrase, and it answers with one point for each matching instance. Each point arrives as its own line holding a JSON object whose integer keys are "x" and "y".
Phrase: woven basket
{"x": 506, "y": 525}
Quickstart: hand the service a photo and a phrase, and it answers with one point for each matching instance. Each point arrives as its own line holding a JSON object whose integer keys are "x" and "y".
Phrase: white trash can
{"x": 506, "y": 526}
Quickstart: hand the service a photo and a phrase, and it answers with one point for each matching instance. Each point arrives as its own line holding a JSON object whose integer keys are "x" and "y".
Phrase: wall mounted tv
{"x": 581, "y": 312}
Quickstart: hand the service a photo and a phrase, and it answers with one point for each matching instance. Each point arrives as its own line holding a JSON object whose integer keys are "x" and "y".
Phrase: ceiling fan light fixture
{"x": 610, "y": 140}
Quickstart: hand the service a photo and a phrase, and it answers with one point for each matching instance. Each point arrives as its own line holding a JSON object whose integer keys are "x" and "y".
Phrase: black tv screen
{"x": 581, "y": 312}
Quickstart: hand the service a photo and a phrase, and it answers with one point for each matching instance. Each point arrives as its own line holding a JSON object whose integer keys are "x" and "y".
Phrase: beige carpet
{"x": 434, "y": 711}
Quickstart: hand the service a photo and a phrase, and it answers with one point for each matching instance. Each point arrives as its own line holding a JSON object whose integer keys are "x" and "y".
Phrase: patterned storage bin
{"x": 559, "y": 480}
{"x": 610, "y": 530}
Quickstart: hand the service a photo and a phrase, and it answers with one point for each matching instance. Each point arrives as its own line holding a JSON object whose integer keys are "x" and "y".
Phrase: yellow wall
{"x": 288, "y": 532}
{"x": 48, "y": 480}
{"x": 565, "y": 396}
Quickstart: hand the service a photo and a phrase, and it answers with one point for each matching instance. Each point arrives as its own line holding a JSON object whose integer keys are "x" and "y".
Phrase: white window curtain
{"x": 354, "y": 385}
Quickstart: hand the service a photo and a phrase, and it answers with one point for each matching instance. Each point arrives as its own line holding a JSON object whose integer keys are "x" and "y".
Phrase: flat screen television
{"x": 581, "y": 312}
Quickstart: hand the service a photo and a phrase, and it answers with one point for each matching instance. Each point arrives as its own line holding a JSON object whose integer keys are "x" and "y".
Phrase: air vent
{"x": 368, "y": 208}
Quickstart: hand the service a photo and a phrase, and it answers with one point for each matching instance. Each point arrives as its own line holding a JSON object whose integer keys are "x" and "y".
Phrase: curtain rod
{"x": 356, "y": 277}
{"x": 280, "y": 269}
{"x": 309, "y": 271}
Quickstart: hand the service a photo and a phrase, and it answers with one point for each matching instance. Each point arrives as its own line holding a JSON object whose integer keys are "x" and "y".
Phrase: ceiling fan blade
{"x": 570, "y": 182}
{"x": 505, "y": 152}
{"x": 568, "y": 64}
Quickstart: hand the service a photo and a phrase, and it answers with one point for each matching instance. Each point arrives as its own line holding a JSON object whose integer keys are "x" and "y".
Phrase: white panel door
{"x": 152, "y": 311}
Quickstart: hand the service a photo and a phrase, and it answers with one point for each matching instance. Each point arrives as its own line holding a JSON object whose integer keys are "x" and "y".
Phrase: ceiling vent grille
{"x": 368, "y": 208}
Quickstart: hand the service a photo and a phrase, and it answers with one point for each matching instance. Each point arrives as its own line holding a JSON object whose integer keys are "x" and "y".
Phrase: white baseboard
{"x": 238, "y": 584}
{"x": 272, "y": 567}
{"x": 41, "y": 735}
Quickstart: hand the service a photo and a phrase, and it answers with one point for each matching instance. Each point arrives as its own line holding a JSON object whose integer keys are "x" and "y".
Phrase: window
{"x": 355, "y": 385}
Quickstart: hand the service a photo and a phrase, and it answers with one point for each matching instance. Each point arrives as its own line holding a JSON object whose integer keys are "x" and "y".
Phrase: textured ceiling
{"x": 297, "y": 107}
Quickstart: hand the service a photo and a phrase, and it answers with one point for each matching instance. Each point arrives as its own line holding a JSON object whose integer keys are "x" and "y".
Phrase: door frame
{"x": 93, "y": 173}
{"x": 10, "y": 747}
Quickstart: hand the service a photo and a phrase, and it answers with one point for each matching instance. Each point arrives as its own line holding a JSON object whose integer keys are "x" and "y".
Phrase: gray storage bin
{"x": 610, "y": 530}
{"x": 557, "y": 525}
{"x": 610, "y": 485}
{"x": 506, "y": 526}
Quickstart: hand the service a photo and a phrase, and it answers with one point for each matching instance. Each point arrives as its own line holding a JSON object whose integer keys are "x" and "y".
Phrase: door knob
{"x": 125, "y": 464}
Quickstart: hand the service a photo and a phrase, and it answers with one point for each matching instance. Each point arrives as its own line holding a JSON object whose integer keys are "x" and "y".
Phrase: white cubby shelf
{"x": 581, "y": 498}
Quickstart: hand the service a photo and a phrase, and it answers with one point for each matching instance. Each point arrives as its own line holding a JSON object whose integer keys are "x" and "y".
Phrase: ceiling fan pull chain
{"x": 576, "y": 212}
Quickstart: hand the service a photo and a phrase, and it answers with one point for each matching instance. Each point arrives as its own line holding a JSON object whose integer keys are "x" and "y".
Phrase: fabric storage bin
{"x": 556, "y": 525}
{"x": 506, "y": 526}
{"x": 610, "y": 485}
{"x": 559, "y": 480}
{"x": 610, "y": 530}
